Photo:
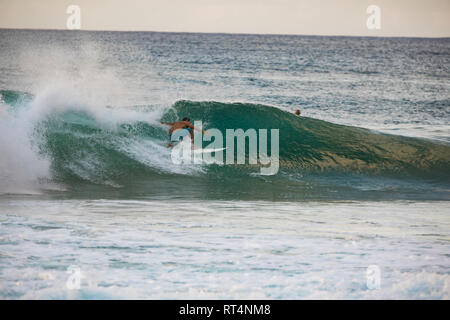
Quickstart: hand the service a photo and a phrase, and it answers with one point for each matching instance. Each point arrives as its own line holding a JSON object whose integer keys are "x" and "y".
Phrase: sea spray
{"x": 21, "y": 167}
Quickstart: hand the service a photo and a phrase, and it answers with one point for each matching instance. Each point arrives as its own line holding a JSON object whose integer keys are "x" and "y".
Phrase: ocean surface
{"x": 92, "y": 207}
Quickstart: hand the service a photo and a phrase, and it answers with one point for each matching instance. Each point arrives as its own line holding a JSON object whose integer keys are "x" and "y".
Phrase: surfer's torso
{"x": 180, "y": 125}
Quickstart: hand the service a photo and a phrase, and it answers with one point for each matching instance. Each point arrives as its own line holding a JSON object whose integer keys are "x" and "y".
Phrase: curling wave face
{"x": 122, "y": 151}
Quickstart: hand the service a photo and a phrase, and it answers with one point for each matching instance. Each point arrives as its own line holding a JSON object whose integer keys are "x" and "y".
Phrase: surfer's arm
{"x": 168, "y": 123}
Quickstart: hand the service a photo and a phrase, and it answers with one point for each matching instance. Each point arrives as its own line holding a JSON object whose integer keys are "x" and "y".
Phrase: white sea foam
{"x": 225, "y": 250}
{"x": 20, "y": 165}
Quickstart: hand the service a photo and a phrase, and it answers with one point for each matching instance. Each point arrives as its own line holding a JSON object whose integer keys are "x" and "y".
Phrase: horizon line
{"x": 232, "y": 33}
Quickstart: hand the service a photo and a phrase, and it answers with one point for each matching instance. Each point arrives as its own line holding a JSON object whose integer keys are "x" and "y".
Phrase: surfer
{"x": 182, "y": 129}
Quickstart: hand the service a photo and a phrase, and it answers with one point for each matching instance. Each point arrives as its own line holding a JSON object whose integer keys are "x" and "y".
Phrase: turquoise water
{"x": 86, "y": 180}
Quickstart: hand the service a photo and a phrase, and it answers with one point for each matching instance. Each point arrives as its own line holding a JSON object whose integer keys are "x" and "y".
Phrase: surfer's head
{"x": 187, "y": 119}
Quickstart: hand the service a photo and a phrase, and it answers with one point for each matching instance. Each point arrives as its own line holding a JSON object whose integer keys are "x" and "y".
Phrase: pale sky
{"x": 411, "y": 18}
